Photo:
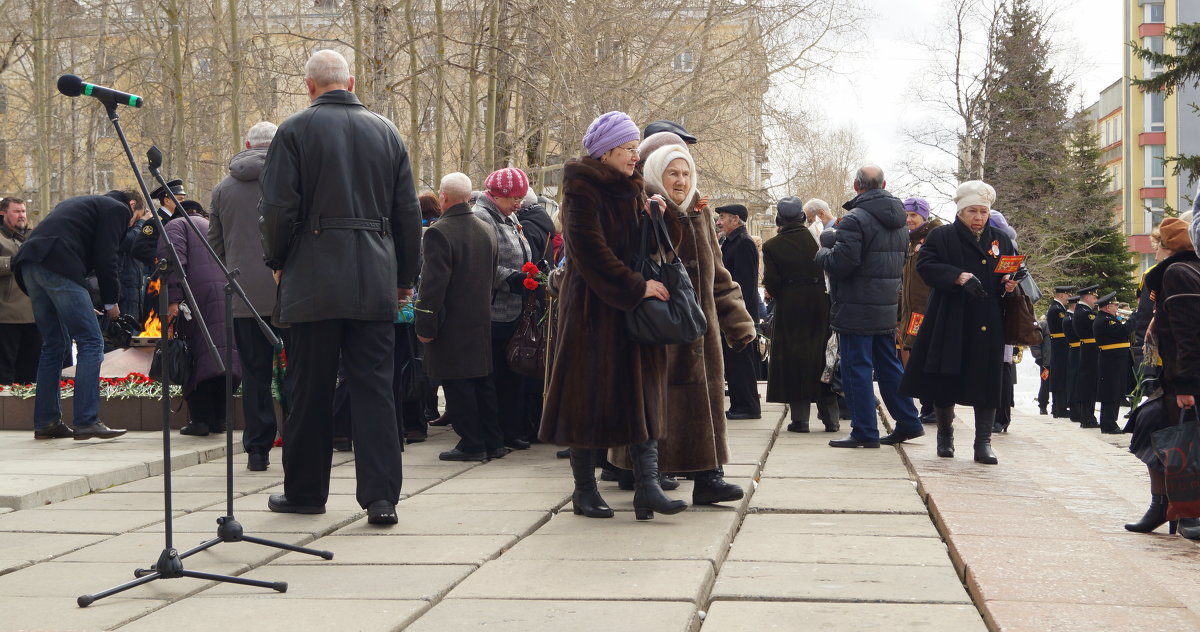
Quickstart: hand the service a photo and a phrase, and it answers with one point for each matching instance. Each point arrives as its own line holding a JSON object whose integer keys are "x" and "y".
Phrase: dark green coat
{"x": 797, "y": 284}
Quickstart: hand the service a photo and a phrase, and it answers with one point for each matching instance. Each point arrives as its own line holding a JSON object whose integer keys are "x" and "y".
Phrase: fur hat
{"x": 657, "y": 140}
{"x": 507, "y": 182}
{"x": 1173, "y": 233}
{"x": 974, "y": 193}
{"x": 656, "y": 165}
{"x": 609, "y": 130}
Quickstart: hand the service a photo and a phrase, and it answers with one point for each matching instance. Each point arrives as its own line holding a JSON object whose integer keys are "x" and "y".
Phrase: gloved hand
{"x": 516, "y": 282}
{"x": 974, "y": 288}
{"x": 828, "y": 237}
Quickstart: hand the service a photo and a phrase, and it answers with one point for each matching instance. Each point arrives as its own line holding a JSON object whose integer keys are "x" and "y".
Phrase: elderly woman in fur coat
{"x": 604, "y": 390}
{"x": 958, "y": 355}
{"x": 695, "y": 440}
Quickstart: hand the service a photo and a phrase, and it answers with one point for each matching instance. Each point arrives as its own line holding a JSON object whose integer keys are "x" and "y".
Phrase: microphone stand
{"x": 170, "y": 563}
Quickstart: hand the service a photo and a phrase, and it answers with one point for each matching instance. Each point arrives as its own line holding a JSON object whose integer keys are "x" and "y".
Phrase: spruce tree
{"x": 1179, "y": 69}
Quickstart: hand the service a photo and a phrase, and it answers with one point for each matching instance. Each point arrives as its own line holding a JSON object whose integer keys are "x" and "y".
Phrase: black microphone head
{"x": 70, "y": 85}
{"x": 154, "y": 155}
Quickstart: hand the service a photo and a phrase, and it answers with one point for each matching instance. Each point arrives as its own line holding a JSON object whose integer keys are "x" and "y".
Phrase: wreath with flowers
{"x": 132, "y": 385}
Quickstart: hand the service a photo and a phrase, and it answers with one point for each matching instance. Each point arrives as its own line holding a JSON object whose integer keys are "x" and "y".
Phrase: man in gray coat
{"x": 453, "y": 319}
{"x": 341, "y": 227}
{"x": 863, "y": 254}
{"x": 233, "y": 234}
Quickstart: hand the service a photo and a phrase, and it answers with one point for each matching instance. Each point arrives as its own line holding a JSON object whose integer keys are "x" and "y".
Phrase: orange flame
{"x": 151, "y": 328}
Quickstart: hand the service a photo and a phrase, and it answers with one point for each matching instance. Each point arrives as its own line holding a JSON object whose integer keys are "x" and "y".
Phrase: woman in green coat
{"x": 801, "y": 322}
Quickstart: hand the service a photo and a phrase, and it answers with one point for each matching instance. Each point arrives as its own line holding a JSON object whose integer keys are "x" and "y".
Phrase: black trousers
{"x": 471, "y": 407}
{"x": 365, "y": 349}
{"x": 206, "y": 404}
{"x": 509, "y": 386}
{"x": 741, "y": 374}
{"x": 1043, "y": 396}
{"x": 20, "y": 349}
{"x": 258, "y": 405}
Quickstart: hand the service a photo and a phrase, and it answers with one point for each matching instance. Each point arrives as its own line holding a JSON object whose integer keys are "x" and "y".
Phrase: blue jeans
{"x": 63, "y": 311}
{"x": 863, "y": 356}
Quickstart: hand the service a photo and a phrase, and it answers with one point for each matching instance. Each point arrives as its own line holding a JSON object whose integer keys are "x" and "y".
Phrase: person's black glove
{"x": 516, "y": 282}
{"x": 974, "y": 288}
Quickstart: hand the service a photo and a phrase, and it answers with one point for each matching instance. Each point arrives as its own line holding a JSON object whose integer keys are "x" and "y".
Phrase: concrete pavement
{"x": 826, "y": 540}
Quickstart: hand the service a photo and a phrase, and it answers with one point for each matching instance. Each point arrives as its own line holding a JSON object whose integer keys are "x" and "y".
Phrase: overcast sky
{"x": 875, "y": 89}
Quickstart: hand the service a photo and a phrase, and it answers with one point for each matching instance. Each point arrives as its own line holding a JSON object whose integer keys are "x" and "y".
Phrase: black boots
{"x": 945, "y": 432}
{"x": 711, "y": 487}
{"x": 648, "y": 496}
{"x": 1189, "y": 528}
{"x": 801, "y": 411}
{"x": 829, "y": 413}
{"x": 1155, "y": 516}
{"x": 586, "y": 500}
{"x": 984, "y": 418}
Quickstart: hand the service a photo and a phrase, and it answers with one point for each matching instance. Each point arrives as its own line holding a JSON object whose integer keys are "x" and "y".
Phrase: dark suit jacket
{"x": 740, "y": 257}
{"x": 81, "y": 235}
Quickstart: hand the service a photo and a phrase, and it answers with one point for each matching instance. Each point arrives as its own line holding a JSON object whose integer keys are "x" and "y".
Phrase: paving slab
{"x": 383, "y": 582}
{"x": 136, "y": 501}
{"x": 112, "y": 521}
{"x": 349, "y": 486}
{"x": 42, "y": 546}
{"x": 8, "y": 566}
{"x": 204, "y": 612}
{"x": 894, "y": 525}
{"x": 545, "y": 501}
{"x": 508, "y": 485}
{"x": 837, "y": 496}
{"x": 33, "y": 613}
{"x": 523, "y": 615}
{"x": 139, "y": 548}
{"x": 1022, "y": 616}
{"x": 701, "y": 536}
{"x": 750, "y": 616}
{"x": 655, "y": 580}
{"x": 412, "y": 549}
{"x": 69, "y": 580}
{"x": 186, "y": 484}
{"x": 260, "y": 523}
{"x": 791, "y": 460}
{"x": 26, "y": 491}
{"x": 454, "y": 522}
{"x": 841, "y": 549}
{"x": 776, "y": 581}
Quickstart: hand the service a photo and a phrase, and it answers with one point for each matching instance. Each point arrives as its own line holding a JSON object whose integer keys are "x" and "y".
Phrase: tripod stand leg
{"x": 87, "y": 600}
{"x": 200, "y": 547}
{"x": 276, "y": 586}
{"x": 328, "y": 555}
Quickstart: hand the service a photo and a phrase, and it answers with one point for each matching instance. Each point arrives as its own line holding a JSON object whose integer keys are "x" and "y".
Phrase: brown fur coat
{"x": 695, "y": 438}
{"x": 604, "y": 391}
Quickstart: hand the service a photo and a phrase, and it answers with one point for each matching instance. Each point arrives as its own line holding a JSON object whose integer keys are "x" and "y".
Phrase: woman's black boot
{"x": 1188, "y": 528}
{"x": 586, "y": 500}
{"x": 984, "y": 418}
{"x": 711, "y": 487}
{"x": 945, "y": 432}
{"x": 648, "y": 496}
{"x": 1155, "y": 516}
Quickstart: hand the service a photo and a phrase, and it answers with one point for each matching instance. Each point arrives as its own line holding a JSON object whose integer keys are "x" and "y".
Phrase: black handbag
{"x": 413, "y": 381}
{"x": 526, "y": 350}
{"x": 678, "y": 320}
{"x": 178, "y": 361}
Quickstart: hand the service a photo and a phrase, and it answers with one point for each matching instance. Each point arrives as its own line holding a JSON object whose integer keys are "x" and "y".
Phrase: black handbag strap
{"x": 653, "y": 221}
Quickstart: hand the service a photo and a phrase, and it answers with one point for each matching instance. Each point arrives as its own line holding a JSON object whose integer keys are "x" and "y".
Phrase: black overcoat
{"x": 958, "y": 355}
{"x": 739, "y": 255}
{"x": 1086, "y": 375}
{"x": 1116, "y": 358}
{"x": 801, "y": 330}
{"x": 455, "y": 301}
{"x": 1060, "y": 359}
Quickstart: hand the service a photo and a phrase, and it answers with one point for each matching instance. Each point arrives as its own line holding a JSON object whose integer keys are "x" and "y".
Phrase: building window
{"x": 1155, "y": 112}
{"x": 1154, "y": 13}
{"x": 684, "y": 62}
{"x": 1118, "y": 132}
{"x": 1155, "y": 45}
{"x": 1154, "y": 213}
{"x": 1155, "y": 169}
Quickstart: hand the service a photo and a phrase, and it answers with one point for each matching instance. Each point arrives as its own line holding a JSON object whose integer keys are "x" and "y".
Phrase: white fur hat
{"x": 974, "y": 193}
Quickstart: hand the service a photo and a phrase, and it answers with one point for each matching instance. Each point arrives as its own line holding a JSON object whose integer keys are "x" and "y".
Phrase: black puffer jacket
{"x": 863, "y": 254}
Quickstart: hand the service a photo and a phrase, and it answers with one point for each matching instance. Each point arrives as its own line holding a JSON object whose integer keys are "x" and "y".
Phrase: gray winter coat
{"x": 339, "y": 213}
{"x": 863, "y": 254}
{"x": 233, "y": 231}
{"x": 454, "y": 305}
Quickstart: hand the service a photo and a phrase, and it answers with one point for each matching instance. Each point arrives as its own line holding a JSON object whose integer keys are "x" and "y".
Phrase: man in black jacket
{"x": 79, "y": 236}
{"x": 863, "y": 254}
{"x": 739, "y": 254}
{"x": 341, "y": 228}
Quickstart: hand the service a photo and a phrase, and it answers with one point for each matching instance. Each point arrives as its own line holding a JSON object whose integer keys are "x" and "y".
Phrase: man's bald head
{"x": 325, "y": 71}
{"x": 869, "y": 177}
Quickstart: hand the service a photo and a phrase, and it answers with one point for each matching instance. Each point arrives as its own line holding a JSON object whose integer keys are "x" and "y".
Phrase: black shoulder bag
{"x": 678, "y": 320}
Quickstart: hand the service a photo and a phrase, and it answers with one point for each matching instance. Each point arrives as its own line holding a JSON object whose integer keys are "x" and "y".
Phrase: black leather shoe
{"x": 1089, "y": 424}
{"x": 711, "y": 487}
{"x": 851, "y": 442}
{"x": 57, "y": 430}
{"x": 517, "y": 444}
{"x": 381, "y": 512}
{"x": 1042, "y": 411}
{"x": 797, "y": 427}
{"x": 898, "y": 437}
{"x": 1189, "y": 528}
{"x": 440, "y": 421}
{"x": 97, "y": 431}
{"x": 257, "y": 461}
{"x": 195, "y": 429}
{"x": 499, "y": 453}
{"x": 742, "y": 414}
{"x": 415, "y": 436}
{"x": 459, "y": 455}
{"x": 564, "y": 453}
{"x": 280, "y": 504}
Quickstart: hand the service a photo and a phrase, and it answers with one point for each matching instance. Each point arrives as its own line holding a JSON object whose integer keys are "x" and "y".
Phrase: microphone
{"x": 73, "y": 86}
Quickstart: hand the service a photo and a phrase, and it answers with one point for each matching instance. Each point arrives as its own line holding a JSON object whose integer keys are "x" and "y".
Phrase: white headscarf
{"x": 656, "y": 164}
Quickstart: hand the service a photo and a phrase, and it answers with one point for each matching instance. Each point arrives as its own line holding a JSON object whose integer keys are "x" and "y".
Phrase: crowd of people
{"x": 381, "y": 297}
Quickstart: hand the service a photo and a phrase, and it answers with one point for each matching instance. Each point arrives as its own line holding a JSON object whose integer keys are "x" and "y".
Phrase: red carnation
{"x": 530, "y": 268}
{"x": 531, "y": 284}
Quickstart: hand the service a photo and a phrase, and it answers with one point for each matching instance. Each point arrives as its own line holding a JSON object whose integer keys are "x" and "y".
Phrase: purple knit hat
{"x": 917, "y": 205}
{"x": 609, "y": 130}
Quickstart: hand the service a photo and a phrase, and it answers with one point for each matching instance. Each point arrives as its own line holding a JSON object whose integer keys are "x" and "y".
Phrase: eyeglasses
{"x": 632, "y": 150}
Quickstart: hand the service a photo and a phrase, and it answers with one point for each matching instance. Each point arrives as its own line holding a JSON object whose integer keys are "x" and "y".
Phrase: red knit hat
{"x": 507, "y": 182}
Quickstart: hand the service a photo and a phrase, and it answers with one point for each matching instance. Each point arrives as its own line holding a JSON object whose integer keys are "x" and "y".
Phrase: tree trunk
{"x": 414, "y": 99}
{"x": 439, "y": 95}
{"x": 489, "y": 120}
{"x": 179, "y": 151}
{"x": 235, "y": 75}
{"x": 41, "y": 106}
